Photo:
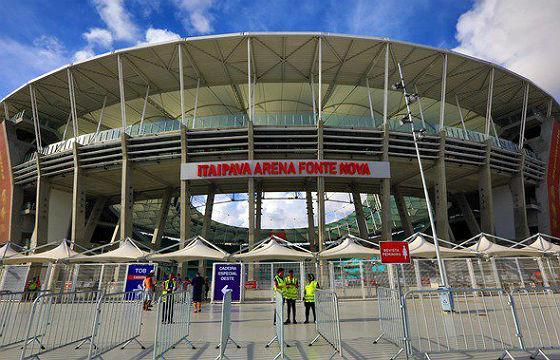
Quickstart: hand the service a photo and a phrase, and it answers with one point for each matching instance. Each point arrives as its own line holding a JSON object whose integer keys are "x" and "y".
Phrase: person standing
{"x": 291, "y": 295}
{"x": 309, "y": 297}
{"x": 198, "y": 288}
{"x": 279, "y": 286}
{"x": 148, "y": 291}
{"x": 169, "y": 286}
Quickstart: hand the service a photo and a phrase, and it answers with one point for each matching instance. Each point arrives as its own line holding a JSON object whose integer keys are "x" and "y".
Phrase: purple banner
{"x": 227, "y": 275}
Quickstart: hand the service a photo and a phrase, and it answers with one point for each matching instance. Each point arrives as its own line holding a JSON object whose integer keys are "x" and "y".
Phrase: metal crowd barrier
{"x": 57, "y": 320}
{"x": 118, "y": 322}
{"x": 279, "y": 326}
{"x": 15, "y": 308}
{"x": 328, "y": 320}
{"x": 225, "y": 333}
{"x": 173, "y": 321}
{"x": 423, "y": 322}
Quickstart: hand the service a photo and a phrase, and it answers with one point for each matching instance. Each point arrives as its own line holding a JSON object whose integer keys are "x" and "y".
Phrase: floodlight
{"x": 405, "y": 120}
{"x": 398, "y": 86}
{"x": 420, "y": 134}
{"x": 412, "y": 98}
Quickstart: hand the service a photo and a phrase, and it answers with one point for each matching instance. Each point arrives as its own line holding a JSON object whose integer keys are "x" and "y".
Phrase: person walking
{"x": 198, "y": 288}
{"x": 169, "y": 286}
{"x": 309, "y": 297}
{"x": 279, "y": 286}
{"x": 148, "y": 291}
{"x": 291, "y": 295}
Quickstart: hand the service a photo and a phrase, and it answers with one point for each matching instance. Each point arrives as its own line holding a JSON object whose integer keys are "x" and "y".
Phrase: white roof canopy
{"x": 127, "y": 251}
{"x": 541, "y": 243}
{"x": 196, "y": 249}
{"x": 420, "y": 247}
{"x": 275, "y": 248}
{"x": 486, "y": 247}
{"x": 7, "y": 251}
{"x": 349, "y": 247}
{"x": 61, "y": 252}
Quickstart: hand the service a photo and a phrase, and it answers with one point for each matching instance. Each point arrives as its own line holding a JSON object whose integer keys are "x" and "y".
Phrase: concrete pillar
{"x": 258, "y": 211}
{"x": 440, "y": 192}
{"x": 517, "y": 187}
{"x": 251, "y": 188}
{"x": 40, "y": 233}
{"x": 467, "y": 212}
{"x": 310, "y": 222}
{"x": 403, "y": 212}
{"x": 93, "y": 219}
{"x": 161, "y": 220}
{"x": 359, "y": 210}
{"x": 385, "y": 193}
{"x": 320, "y": 190}
{"x": 77, "y": 233}
{"x": 206, "y": 222}
{"x": 185, "y": 196}
{"x": 485, "y": 194}
{"x": 127, "y": 191}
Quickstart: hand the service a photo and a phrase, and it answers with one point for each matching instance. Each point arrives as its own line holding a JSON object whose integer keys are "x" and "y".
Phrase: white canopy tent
{"x": 127, "y": 251}
{"x": 420, "y": 247}
{"x": 484, "y": 246}
{"x": 542, "y": 243}
{"x": 197, "y": 248}
{"x": 61, "y": 252}
{"x": 7, "y": 251}
{"x": 349, "y": 247}
{"x": 275, "y": 248}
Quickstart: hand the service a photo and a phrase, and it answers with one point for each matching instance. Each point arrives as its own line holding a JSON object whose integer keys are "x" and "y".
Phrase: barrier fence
{"x": 279, "y": 326}
{"x": 327, "y": 323}
{"x": 423, "y": 322}
{"x": 118, "y": 321}
{"x": 173, "y": 321}
{"x": 58, "y": 320}
{"x": 225, "y": 329}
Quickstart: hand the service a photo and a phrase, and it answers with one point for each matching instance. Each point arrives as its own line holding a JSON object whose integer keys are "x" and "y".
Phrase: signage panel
{"x": 285, "y": 168}
{"x": 394, "y": 252}
{"x": 136, "y": 274}
{"x": 226, "y": 276}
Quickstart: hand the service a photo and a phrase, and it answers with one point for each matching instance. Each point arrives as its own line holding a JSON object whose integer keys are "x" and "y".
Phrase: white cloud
{"x": 83, "y": 54}
{"x": 199, "y": 19}
{"x": 26, "y": 61}
{"x": 100, "y": 37}
{"x": 117, "y": 18}
{"x": 518, "y": 34}
{"x": 159, "y": 35}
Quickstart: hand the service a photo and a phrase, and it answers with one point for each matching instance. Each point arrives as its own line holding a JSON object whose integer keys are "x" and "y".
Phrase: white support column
{"x": 36, "y": 121}
{"x": 519, "y": 272}
{"x": 385, "y": 196}
{"x": 543, "y": 272}
{"x": 249, "y": 82}
{"x": 121, "y": 92}
{"x": 362, "y": 283}
{"x": 320, "y": 79}
{"x": 443, "y": 92}
{"x": 141, "y": 129}
{"x": 417, "y": 273}
{"x": 181, "y": 84}
{"x": 523, "y": 116}
{"x": 496, "y": 273}
{"x": 460, "y": 113}
{"x": 472, "y": 275}
{"x": 6, "y": 111}
{"x": 370, "y": 102}
{"x": 101, "y": 116}
{"x": 489, "y": 103}
{"x": 313, "y": 100}
{"x": 196, "y": 102}
{"x": 420, "y": 108}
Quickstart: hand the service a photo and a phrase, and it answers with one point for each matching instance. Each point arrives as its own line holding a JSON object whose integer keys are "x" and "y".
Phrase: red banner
{"x": 5, "y": 186}
{"x": 553, "y": 180}
{"x": 394, "y": 252}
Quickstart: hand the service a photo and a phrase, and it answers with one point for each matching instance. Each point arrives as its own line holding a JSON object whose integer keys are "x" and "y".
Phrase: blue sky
{"x": 39, "y": 36}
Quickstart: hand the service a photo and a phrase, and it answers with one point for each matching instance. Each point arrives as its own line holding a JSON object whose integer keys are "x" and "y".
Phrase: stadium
{"x": 137, "y": 150}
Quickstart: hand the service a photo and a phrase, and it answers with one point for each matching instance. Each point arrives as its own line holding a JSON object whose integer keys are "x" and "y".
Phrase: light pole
{"x": 416, "y": 134}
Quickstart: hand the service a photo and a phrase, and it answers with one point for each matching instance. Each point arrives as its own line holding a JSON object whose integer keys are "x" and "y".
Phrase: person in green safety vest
{"x": 309, "y": 296}
{"x": 169, "y": 286}
{"x": 291, "y": 295}
{"x": 279, "y": 286}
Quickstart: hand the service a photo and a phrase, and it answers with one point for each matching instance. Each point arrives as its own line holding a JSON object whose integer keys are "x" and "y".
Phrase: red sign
{"x": 394, "y": 252}
{"x": 250, "y": 284}
{"x": 285, "y": 168}
{"x": 553, "y": 180}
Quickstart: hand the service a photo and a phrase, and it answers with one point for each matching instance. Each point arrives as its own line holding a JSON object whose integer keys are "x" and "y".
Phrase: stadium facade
{"x": 87, "y": 148}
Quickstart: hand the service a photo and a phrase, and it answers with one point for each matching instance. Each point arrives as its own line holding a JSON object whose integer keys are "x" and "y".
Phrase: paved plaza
{"x": 252, "y": 329}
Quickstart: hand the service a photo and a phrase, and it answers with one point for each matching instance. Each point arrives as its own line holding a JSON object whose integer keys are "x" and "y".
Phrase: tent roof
{"x": 127, "y": 251}
{"x": 197, "y": 249}
{"x": 420, "y": 247}
{"x": 61, "y": 252}
{"x": 542, "y": 244}
{"x": 274, "y": 248}
{"x": 349, "y": 247}
{"x": 486, "y": 247}
{"x": 7, "y": 251}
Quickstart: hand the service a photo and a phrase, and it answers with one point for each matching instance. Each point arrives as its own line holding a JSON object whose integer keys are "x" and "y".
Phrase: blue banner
{"x": 230, "y": 275}
{"x": 136, "y": 275}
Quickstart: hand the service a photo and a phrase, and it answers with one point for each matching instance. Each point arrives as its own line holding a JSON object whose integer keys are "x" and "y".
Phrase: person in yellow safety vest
{"x": 291, "y": 295}
{"x": 279, "y": 286}
{"x": 309, "y": 296}
{"x": 169, "y": 286}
